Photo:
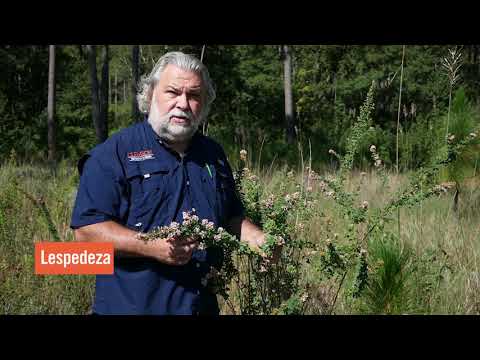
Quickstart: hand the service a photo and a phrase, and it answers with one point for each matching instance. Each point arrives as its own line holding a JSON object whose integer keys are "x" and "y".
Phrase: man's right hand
{"x": 175, "y": 251}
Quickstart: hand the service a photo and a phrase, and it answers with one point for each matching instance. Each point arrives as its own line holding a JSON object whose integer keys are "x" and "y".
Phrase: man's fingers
{"x": 181, "y": 241}
{"x": 183, "y": 252}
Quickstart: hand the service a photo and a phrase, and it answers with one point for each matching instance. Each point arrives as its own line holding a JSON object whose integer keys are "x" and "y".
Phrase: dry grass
{"x": 432, "y": 225}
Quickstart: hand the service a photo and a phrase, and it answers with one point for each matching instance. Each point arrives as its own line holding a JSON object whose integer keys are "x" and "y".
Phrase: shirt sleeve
{"x": 236, "y": 208}
{"x": 100, "y": 194}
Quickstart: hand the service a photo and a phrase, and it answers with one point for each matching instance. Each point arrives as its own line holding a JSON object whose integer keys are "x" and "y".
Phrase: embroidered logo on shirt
{"x": 140, "y": 155}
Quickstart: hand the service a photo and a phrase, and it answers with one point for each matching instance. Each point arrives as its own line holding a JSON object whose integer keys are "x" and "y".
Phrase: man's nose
{"x": 182, "y": 102}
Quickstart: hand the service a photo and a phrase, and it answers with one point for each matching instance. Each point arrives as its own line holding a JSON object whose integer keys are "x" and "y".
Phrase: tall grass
{"x": 32, "y": 200}
{"x": 433, "y": 269}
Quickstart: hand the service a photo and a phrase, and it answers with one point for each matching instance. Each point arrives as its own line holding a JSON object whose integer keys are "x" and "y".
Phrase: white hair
{"x": 183, "y": 61}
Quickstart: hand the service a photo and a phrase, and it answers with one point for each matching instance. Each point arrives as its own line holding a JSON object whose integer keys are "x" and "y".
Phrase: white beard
{"x": 173, "y": 132}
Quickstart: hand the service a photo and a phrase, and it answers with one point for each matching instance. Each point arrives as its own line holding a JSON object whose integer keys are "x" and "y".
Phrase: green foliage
{"x": 387, "y": 291}
{"x": 365, "y": 230}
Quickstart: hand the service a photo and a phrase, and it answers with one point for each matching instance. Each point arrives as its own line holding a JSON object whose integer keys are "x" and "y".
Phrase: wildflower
{"x": 363, "y": 252}
{"x": 472, "y": 135}
{"x": 220, "y": 230}
{"x": 269, "y": 202}
{"x": 323, "y": 185}
{"x": 304, "y": 298}
{"x": 290, "y": 174}
{"x": 332, "y": 152}
{"x": 243, "y": 155}
{"x": 309, "y": 189}
{"x": 373, "y": 148}
{"x": 363, "y": 174}
{"x": 451, "y": 138}
{"x": 330, "y": 193}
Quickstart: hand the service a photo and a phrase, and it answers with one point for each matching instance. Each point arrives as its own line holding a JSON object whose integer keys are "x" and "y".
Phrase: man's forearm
{"x": 124, "y": 240}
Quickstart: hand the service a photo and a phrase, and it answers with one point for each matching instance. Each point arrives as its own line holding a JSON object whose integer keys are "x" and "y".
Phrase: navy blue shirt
{"x": 136, "y": 181}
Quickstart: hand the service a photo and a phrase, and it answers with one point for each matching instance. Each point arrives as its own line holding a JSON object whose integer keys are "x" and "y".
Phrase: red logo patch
{"x": 140, "y": 155}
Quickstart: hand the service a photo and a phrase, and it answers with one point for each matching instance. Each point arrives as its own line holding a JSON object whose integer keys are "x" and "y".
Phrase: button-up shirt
{"x": 137, "y": 181}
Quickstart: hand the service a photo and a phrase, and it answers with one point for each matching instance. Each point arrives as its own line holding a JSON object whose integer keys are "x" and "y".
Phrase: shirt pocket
{"x": 148, "y": 183}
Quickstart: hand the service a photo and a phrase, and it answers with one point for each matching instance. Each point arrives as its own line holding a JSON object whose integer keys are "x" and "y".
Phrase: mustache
{"x": 180, "y": 113}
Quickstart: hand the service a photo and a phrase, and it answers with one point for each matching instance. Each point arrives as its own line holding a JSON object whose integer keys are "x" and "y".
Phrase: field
{"x": 437, "y": 255}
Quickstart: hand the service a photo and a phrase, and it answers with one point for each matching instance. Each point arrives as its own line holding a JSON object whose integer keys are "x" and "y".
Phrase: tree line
{"x": 57, "y": 101}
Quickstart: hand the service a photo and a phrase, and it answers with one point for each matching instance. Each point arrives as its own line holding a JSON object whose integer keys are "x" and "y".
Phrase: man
{"x": 146, "y": 176}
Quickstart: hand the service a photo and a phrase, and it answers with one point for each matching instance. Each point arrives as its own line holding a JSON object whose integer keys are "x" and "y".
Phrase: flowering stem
{"x": 338, "y": 291}
{"x": 448, "y": 115}
{"x": 400, "y": 103}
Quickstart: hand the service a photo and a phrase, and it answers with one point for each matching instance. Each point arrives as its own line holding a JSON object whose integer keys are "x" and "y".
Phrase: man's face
{"x": 177, "y": 103}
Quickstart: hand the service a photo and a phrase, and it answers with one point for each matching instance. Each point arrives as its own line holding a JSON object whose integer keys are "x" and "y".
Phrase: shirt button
{"x": 188, "y": 183}
{"x": 197, "y": 265}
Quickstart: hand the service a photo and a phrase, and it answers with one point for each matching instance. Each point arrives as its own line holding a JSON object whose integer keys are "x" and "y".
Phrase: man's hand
{"x": 174, "y": 251}
{"x": 254, "y": 237}
{"x": 276, "y": 252}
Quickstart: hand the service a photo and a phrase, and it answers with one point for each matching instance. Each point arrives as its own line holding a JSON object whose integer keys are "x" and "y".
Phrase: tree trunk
{"x": 289, "y": 113}
{"x": 97, "y": 91}
{"x": 116, "y": 95}
{"x": 135, "y": 76}
{"x": 103, "y": 95}
{"x": 52, "y": 151}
